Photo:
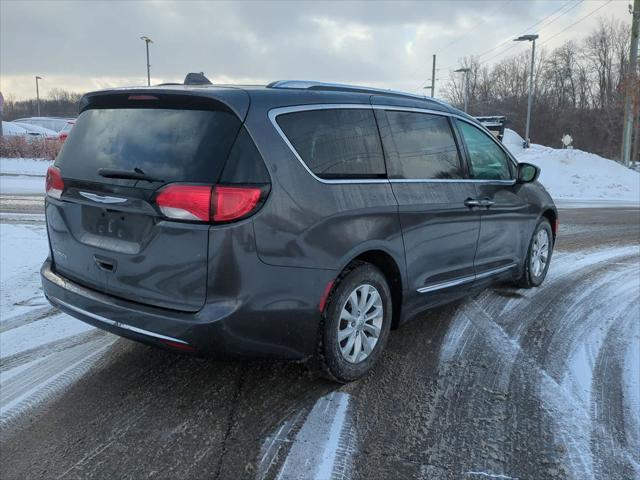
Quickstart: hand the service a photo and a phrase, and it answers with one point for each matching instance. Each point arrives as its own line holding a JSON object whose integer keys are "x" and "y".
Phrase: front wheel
{"x": 355, "y": 323}
{"x": 538, "y": 256}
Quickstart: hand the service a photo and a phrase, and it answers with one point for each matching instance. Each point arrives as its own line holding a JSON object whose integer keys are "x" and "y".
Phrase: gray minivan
{"x": 293, "y": 220}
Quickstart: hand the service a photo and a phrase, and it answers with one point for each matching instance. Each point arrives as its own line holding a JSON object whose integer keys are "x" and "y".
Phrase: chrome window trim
{"x": 467, "y": 279}
{"x": 275, "y": 112}
{"x": 113, "y": 323}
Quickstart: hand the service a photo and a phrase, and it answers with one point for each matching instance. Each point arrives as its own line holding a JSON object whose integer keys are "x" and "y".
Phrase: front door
{"x": 505, "y": 216}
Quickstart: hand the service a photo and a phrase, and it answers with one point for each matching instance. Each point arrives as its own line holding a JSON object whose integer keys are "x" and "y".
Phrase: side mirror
{"x": 527, "y": 173}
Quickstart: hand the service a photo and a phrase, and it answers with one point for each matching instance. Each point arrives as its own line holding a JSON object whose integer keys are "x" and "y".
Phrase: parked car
{"x": 62, "y": 126}
{"x": 14, "y": 129}
{"x": 294, "y": 220}
{"x": 64, "y": 133}
{"x": 37, "y": 131}
{"x": 10, "y": 129}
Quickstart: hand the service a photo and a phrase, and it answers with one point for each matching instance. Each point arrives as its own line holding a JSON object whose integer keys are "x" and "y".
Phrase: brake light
{"x": 54, "y": 184}
{"x": 233, "y": 203}
{"x": 208, "y": 204}
{"x": 185, "y": 202}
{"x": 142, "y": 97}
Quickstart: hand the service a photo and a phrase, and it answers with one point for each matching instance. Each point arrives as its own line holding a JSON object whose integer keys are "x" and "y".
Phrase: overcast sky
{"x": 90, "y": 45}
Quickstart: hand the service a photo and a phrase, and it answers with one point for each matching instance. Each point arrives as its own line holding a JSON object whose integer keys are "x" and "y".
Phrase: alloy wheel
{"x": 360, "y": 323}
{"x": 539, "y": 252}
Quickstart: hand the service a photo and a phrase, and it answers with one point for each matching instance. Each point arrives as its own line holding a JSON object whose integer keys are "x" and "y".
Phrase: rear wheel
{"x": 538, "y": 256}
{"x": 355, "y": 323}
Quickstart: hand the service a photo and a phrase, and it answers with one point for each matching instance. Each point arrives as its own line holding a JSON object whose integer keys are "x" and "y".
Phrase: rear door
{"x": 505, "y": 214}
{"x": 428, "y": 178}
{"x": 107, "y": 233}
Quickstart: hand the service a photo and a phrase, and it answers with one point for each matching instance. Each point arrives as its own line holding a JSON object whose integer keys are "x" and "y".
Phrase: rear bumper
{"x": 226, "y": 329}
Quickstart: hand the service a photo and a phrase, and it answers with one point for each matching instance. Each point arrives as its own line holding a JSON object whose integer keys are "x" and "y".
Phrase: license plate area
{"x": 129, "y": 227}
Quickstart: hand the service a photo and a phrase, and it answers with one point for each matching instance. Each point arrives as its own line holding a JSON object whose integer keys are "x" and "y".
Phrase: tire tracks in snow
{"x": 41, "y": 351}
{"x": 322, "y": 447}
{"x": 27, "y": 317}
{"x": 521, "y": 350}
{"x": 42, "y": 380}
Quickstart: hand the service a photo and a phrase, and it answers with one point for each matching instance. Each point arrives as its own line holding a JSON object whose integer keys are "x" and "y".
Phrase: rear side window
{"x": 487, "y": 160}
{"x": 336, "y": 143}
{"x": 420, "y": 146}
{"x": 169, "y": 144}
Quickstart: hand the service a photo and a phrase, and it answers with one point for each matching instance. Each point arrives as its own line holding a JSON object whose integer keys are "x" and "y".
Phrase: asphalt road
{"x": 507, "y": 383}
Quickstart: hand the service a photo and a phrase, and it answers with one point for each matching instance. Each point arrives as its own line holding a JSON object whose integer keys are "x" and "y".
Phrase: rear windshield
{"x": 168, "y": 144}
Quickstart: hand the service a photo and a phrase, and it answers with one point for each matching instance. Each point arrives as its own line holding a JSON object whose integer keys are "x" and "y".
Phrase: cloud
{"x": 85, "y": 45}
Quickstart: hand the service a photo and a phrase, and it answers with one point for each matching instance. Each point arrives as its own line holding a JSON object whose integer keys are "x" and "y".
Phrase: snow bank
{"x": 577, "y": 175}
{"x": 23, "y": 176}
{"x": 24, "y": 166}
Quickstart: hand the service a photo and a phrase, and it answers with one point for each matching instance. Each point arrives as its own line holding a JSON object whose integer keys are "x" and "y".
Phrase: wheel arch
{"x": 390, "y": 269}
{"x": 552, "y": 216}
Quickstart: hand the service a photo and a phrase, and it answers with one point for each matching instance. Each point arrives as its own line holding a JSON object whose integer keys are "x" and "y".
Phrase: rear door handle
{"x": 472, "y": 202}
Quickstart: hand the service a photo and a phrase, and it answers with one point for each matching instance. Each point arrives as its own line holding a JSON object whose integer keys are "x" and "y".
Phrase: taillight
{"x": 54, "y": 184}
{"x": 233, "y": 203}
{"x": 209, "y": 204}
{"x": 185, "y": 202}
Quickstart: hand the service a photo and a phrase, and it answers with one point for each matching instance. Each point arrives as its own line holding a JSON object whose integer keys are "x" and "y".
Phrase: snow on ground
{"x": 24, "y": 166}
{"x": 23, "y": 248}
{"x": 23, "y": 176}
{"x": 323, "y": 447}
{"x": 571, "y": 174}
{"x": 41, "y": 350}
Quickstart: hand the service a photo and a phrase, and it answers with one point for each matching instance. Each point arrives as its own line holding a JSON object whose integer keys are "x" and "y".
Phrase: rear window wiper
{"x": 135, "y": 174}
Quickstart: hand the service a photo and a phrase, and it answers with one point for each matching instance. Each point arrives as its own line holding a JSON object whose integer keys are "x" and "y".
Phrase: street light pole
{"x": 147, "y": 41}
{"x": 465, "y": 71}
{"x": 529, "y": 38}
{"x": 38, "y": 93}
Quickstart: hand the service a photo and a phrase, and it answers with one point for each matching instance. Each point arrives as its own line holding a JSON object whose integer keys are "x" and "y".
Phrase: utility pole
{"x": 631, "y": 86}
{"x": 529, "y": 38}
{"x": 433, "y": 78}
{"x": 465, "y": 72}
{"x": 38, "y": 93}
{"x": 1, "y": 111}
{"x": 147, "y": 41}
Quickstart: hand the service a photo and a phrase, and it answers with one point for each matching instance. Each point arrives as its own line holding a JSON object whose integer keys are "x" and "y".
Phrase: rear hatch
{"x": 105, "y": 228}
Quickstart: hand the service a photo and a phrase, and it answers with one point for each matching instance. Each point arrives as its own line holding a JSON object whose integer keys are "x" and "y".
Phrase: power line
{"x": 460, "y": 37}
{"x": 575, "y": 23}
{"x": 556, "y": 34}
{"x": 508, "y": 40}
{"x": 539, "y": 22}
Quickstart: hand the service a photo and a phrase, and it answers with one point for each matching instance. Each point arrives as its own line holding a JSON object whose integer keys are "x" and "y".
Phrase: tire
{"x": 533, "y": 274}
{"x": 338, "y": 362}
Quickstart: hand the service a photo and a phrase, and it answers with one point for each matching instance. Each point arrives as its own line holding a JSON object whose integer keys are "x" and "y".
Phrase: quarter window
{"x": 336, "y": 143}
{"x": 487, "y": 160}
{"x": 420, "y": 146}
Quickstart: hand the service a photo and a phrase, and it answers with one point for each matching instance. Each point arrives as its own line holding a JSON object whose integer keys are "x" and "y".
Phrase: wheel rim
{"x": 539, "y": 253}
{"x": 360, "y": 323}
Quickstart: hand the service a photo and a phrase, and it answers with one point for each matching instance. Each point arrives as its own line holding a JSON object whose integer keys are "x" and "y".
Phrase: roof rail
{"x": 341, "y": 87}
